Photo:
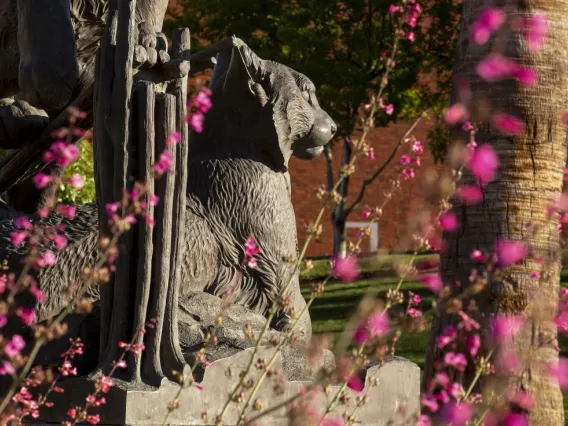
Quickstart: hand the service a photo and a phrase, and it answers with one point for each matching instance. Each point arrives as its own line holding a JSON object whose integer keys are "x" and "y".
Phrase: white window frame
{"x": 373, "y": 238}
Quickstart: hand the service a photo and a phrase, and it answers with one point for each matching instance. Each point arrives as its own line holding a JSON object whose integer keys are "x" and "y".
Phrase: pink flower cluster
{"x": 198, "y": 106}
{"x": 251, "y": 250}
{"x": 417, "y": 149}
{"x": 345, "y": 268}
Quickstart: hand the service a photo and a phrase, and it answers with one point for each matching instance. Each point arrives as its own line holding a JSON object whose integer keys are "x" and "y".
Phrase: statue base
{"x": 395, "y": 399}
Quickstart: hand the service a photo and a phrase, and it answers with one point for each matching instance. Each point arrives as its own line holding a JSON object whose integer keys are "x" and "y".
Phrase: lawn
{"x": 330, "y": 312}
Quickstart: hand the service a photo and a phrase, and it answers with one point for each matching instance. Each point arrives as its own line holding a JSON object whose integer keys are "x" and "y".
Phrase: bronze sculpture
{"x": 238, "y": 185}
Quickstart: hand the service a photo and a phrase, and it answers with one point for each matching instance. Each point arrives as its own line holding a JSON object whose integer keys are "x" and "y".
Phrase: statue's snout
{"x": 323, "y": 130}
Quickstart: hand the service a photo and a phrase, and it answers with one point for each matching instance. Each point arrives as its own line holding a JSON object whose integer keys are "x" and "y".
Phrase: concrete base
{"x": 396, "y": 398}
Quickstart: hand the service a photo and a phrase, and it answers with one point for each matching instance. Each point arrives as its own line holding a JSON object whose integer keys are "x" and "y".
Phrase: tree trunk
{"x": 530, "y": 174}
{"x": 338, "y": 215}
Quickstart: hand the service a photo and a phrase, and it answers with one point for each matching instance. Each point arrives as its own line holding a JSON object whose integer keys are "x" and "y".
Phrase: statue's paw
{"x": 47, "y": 81}
{"x": 20, "y": 124}
{"x": 152, "y": 59}
{"x": 152, "y": 48}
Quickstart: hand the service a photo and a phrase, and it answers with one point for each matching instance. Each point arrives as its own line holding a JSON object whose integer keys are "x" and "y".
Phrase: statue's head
{"x": 261, "y": 109}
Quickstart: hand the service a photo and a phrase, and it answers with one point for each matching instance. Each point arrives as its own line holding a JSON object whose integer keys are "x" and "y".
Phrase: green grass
{"x": 331, "y": 311}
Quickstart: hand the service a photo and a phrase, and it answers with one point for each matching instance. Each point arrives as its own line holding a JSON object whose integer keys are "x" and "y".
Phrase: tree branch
{"x": 369, "y": 181}
{"x": 329, "y": 167}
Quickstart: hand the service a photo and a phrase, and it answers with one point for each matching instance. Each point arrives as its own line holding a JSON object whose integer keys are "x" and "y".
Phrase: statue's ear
{"x": 244, "y": 70}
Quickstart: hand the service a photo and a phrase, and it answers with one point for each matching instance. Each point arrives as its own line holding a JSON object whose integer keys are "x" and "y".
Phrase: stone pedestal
{"x": 398, "y": 391}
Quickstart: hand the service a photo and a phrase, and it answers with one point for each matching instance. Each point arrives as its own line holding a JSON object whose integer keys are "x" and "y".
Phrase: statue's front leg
{"x": 48, "y": 70}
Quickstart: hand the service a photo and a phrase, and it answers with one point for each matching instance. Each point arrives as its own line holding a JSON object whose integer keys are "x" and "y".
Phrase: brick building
{"x": 391, "y": 233}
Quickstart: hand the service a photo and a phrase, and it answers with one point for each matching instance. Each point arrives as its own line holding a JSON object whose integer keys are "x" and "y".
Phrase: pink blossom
{"x": 507, "y": 124}
{"x": 430, "y": 402}
{"x": 196, "y": 121}
{"x": 60, "y": 241}
{"x": 22, "y": 222}
{"x": 18, "y": 237}
{"x": 27, "y": 315}
{"x": 442, "y": 379}
{"x": 3, "y": 320}
{"x": 66, "y": 210}
{"x": 488, "y": 21}
{"x": 6, "y": 368}
{"x": 371, "y": 154}
{"x": 41, "y": 180}
{"x": 173, "y": 139}
{"x": 164, "y": 163}
{"x": 495, "y": 67}
{"x": 361, "y": 335}
{"x": 510, "y": 252}
{"x": 484, "y": 164}
{"x": 455, "y": 389}
{"x": 355, "y": 383}
{"x": 412, "y": 19}
{"x": 366, "y": 214}
{"x": 378, "y": 324}
{"x": 47, "y": 259}
{"x": 560, "y": 372}
{"x": 477, "y": 256}
{"x": 506, "y": 326}
{"x": 203, "y": 102}
{"x": 394, "y": 9}
{"x": 535, "y": 275}
{"x": 534, "y": 29}
{"x": 416, "y": 161}
{"x": 93, "y": 419}
{"x": 455, "y": 114}
{"x": 13, "y": 347}
{"x": 515, "y": 419}
{"x": 456, "y": 360}
{"x": 446, "y": 338}
{"x": 43, "y": 212}
{"x": 409, "y": 35}
{"x": 415, "y": 300}
{"x": 67, "y": 155}
{"x": 76, "y": 181}
{"x": 389, "y": 109}
{"x": 433, "y": 282}
{"x": 469, "y": 194}
{"x": 457, "y": 414}
{"x": 562, "y": 320}
{"x": 472, "y": 343}
{"x": 449, "y": 222}
{"x": 345, "y": 268}
{"x": 417, "y": 147}
{"x": 408, "y": 173}
{"x": 423, "y": 420}
{"x": 404, "y": 160}
{"x": 414, "y": 313}
{"x": 526, "y": 76}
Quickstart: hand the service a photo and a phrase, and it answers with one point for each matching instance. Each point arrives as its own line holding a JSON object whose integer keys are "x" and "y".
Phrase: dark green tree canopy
{"x": 339, "y": 46}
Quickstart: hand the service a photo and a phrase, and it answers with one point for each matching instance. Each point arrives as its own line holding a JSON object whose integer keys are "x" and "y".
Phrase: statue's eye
{"x": 306, "y": 95}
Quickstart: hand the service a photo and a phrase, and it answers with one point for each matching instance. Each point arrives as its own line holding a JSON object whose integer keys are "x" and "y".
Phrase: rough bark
{"x": 530, "y": 175}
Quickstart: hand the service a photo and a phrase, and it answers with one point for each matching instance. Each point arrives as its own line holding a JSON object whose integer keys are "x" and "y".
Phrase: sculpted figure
{"x": 47, "y": 51}
{"x": 238, "y": 185}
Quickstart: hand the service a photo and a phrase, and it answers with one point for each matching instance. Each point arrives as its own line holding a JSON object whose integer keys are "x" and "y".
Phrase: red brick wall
{"x": 406, "y": 202}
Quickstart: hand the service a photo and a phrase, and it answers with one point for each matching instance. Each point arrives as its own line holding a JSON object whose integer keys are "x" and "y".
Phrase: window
{"x": 373, "y": 238}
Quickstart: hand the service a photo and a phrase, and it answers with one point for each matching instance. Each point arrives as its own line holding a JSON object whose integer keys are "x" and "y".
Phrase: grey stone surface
{"x": 398, "y": 390}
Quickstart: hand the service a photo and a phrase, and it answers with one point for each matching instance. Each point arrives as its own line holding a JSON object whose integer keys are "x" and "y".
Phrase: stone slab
{"x": 398, "y": 388}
